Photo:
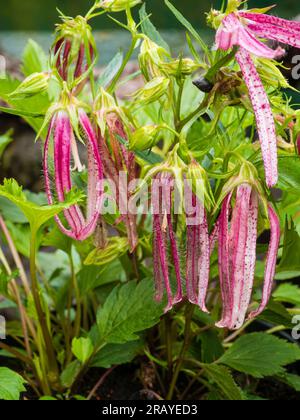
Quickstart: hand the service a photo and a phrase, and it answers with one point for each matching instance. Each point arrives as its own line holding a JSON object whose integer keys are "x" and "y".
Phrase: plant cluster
{"x": 149, "y": 243}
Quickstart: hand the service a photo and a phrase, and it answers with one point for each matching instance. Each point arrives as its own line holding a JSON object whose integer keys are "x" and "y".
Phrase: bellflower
{"x": 74, "y": 48}
{"x": 64, "y": 136}
{"x": 117, "y": 158}
{"x": 163, "y": 235}
{"x": 237, "y": 238}
{"x": 245, "y": 30}
{"x": 198, "y": 255}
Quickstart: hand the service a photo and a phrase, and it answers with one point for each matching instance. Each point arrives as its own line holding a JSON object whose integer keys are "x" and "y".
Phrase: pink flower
{"x": 117, "y": 158}
{"x": 244, "y": 30}
{"x": 79, "y": 227}
{"x": 198, "y": 255}
{"x": 237, "y": 256}
{"x": 163, "y": 235}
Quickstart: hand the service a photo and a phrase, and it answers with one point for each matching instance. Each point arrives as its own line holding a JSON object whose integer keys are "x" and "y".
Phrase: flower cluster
{"x": 245, "y": 30}
{"x": 183, "y": 242}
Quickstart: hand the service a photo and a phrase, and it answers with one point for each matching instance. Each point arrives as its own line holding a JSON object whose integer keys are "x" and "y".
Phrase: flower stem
{"x": 124, "y": 64}
{"x": 54, "y": 373}
{"x": 187, "y": 335}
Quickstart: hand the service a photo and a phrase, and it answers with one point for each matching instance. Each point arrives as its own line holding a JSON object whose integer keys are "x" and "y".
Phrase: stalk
{"x": 185, "y": 346}
{"x": 78, "y": 298}
{"x": 16, "y": 256}
{"x": 54, "y": 372}
{"x": 124, "y": 64}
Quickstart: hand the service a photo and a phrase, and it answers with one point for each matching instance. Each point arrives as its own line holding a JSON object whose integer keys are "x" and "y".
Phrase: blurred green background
{"x": 40, "y": 15}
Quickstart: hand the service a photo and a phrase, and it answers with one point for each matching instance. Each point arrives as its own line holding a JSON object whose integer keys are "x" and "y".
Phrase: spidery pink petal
{"x": 263, "y": 114}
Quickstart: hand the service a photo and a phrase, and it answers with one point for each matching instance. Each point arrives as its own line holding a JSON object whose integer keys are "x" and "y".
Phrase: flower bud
{"x": 145, "y": 137}
{"x": 151, "y": 57}
{"x": 73, "y": 48}
{"x": 183, "y": 67}
{"x": 152, "y": 91}
{"x": 117, "y": 5}
{"x": 32, "y": 85}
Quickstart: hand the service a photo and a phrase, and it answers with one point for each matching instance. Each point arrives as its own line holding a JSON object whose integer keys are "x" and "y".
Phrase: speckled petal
{"x": 263, "y": 114}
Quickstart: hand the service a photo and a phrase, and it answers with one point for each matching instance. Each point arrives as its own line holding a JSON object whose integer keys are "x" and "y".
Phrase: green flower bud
{"x": 183, "y": 67}
{"x": 145, "y": 137}
{"x": 152, "y": 91}
{"x": 32, "y": 85}
{"x": 151, "y": 57}
{"x": 118, "y": 5}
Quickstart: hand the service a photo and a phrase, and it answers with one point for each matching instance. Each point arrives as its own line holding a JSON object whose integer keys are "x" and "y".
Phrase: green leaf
{"x": 34, "y": 59}
{"x": 289, "y": 262}
{"x": 117, "y": 354}
{"x": 292, "y": 380}
{"x": 129, "y": 309}
{"x": 289, "y": 174}
{"x": 5, "y": 279}
{"x": 289, "y": 293}
{"x": 260, "y": 355}
{"x": 277, "y": 314}
{"x": 11, "y": 212}
{"x": 21, "y": 112}
{"x": 56, "y": 239}
{"x": 70, "y": 374}
{"x": 149, "y": 29}
{"x": 91, "y": 277}
{"x": 188, "y": 26}
{"x": 11, "y": 384}
{"x": 221, "y": 376}
{"x": 82, "y": 348}
{"x": 110, "y": 71}
{"x": 36, "y": 215}
{"x": 5, "y": 140}
{"x": 211, "y": 346}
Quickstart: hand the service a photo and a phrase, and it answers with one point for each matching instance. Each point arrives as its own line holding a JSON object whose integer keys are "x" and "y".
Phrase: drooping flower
{"x": 117, "y": 158}
{"x": 245, "y": 30}
{"x": 237, "y": 228}
{"x": 163, "y": 234}
{"x": 79, "y": 226}
{"x": 198, "y": 255}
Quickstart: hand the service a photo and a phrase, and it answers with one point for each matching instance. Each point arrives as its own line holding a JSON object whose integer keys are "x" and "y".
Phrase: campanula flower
{"x": 63, "y": 133}
{"x": 237, "y": 238}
